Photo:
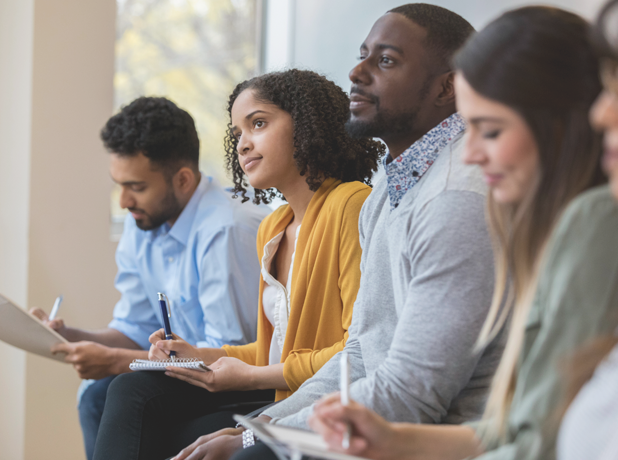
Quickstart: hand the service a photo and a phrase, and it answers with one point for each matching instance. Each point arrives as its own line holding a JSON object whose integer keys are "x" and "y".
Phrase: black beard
{"x": 384, "y": 125}
{"x": 169, "y": 209}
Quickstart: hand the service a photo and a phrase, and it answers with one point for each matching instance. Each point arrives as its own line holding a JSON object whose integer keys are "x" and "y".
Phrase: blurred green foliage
{"x": 193, "y": 52}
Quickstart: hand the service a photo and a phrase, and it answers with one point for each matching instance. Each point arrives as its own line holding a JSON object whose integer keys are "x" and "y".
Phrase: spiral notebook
{"x": 186, "y": 363}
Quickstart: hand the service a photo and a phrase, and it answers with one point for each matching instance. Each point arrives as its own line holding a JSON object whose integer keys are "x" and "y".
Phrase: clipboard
{"x": 292, "y": 443}
{"x": 26, "y": 332}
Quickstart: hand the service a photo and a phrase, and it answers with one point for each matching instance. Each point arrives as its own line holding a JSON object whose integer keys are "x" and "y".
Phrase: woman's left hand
{"x": 227, "y": 374}
{"x": 219, "y": 448}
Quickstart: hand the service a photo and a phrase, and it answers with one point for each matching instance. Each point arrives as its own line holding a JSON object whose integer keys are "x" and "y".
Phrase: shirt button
{"x": 170, "y": 259}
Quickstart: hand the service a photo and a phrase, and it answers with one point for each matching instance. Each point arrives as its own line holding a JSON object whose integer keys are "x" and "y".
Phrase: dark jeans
{"x": 90, "y": 410}
{"x": 150, "y": 416}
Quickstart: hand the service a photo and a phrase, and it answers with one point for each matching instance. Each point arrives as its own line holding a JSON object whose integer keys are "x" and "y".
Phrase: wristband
{"x": 248, "y": 439}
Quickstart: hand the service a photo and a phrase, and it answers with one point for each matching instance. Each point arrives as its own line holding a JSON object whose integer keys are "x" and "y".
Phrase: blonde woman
{"x": 525, "y": 85}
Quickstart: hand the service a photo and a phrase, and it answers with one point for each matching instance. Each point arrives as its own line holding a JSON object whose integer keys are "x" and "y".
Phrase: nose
{"x": 244, "y": 144}
{"x": 126, "y": 198}
{"x": 604, "y": 112}
{"x": 473, "y": 154}
{"x": 359, "y": 73}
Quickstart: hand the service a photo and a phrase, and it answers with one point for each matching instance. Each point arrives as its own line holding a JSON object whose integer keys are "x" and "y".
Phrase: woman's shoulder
{"x": 348, "y": 194}
{"x": 597, "y": 204}
{"x": 272, "y": 220}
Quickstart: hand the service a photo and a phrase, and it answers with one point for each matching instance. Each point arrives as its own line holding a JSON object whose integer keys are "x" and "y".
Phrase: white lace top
{"x": 276, "y": 297}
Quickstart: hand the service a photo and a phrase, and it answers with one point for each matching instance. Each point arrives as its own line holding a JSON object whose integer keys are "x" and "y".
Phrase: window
{"x": 193, "y": 52}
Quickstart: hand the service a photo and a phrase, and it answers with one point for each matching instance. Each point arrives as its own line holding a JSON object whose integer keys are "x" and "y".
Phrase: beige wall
{"x": 15, "y": 83}
{"x": 56, "y": 91}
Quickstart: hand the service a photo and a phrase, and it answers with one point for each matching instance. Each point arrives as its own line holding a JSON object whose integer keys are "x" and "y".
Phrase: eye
{"x": 386, "y": 60}
{"x": 492, "y": 134}
{"x": 361, "y": 57}
{"x": 138, "y": 188}
{"x": 237, "y": 136}
{"x": 259, "y": 123}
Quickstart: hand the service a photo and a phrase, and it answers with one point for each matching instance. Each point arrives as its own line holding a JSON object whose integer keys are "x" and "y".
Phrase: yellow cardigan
{"x": 325, "y": 281}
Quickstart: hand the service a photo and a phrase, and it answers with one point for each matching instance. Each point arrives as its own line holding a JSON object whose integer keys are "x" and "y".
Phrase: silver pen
{"x": 55, "y": 308}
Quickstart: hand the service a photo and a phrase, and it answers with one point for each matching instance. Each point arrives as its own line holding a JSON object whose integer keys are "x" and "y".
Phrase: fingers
{"x": 62, "y": 348}
{"x": 333, "y": 432}
{"x": 56, "y": 324}
{"x": 184, "y": 453}
{"x": 155, "y": 353}
{"x": 175, "y": 345}
{"x": 38, "y": 313}
{"x": 156, "y": 336}
{"x": 187, "y": 378}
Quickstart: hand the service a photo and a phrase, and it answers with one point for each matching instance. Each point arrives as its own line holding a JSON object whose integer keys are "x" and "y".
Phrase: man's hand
{"x": 56, "y": 324}
{"x": 232, "y": 435}
{"x": 228, "y": 374}
{"x": 91, "y": 360}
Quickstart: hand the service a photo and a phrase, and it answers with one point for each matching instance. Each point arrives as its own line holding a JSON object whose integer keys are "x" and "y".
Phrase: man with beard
{"x": 427, "y": 263}
{"x": 184, "y": 236}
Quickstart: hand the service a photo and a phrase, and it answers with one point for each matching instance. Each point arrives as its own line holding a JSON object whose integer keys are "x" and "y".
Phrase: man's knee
{"x": 92, "y": 400}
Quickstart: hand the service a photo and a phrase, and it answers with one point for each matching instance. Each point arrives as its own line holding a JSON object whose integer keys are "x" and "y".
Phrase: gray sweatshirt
{"x": 426, "y": 286}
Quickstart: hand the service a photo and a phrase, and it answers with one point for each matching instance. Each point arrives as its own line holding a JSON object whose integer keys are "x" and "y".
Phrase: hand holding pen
{"x": 50, "y": 320}
{"x": 370, "y": 437}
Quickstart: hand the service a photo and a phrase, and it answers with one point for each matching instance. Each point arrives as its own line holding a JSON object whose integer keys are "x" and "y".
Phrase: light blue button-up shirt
{"x": 206, "y": 264}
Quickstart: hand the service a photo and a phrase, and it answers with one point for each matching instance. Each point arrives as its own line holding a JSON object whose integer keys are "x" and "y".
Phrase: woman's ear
{"x": 447, "y": 95}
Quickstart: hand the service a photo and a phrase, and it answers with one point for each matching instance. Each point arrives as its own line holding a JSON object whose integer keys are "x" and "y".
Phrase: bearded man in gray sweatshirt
{"x": 427, "y": 264}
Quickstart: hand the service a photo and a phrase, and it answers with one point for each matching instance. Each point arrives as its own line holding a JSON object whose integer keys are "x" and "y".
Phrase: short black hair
{"x": 159, "y": 129}
{"x": 446, "y": 31}
{"x": 319, "y": 110}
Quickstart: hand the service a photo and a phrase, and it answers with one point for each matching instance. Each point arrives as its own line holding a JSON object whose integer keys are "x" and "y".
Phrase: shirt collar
{"x": 182, "y": 227}
{"x": 406, "y": 170}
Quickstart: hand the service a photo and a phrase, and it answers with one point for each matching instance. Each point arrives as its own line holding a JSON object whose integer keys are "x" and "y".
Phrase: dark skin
{"x": 393, "y": 68}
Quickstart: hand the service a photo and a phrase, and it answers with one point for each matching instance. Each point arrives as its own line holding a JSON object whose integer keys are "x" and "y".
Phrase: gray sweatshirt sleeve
{"x": 449, "y": 292}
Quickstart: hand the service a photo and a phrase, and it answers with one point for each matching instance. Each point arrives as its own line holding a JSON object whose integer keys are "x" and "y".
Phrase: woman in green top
{"x": 525, "y": 85}
{"x": 590, "y": 425}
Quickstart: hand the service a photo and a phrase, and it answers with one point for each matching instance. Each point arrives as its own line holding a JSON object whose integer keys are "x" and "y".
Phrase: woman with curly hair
{"x": 286, "y": 138}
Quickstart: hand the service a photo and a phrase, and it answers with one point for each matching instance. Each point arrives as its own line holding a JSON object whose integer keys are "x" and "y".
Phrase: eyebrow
{"x": 130, "y": 182}
{"x": 248, "y": 117}
{"x": 383, "y": 46}
{"x": 477, "y": 120}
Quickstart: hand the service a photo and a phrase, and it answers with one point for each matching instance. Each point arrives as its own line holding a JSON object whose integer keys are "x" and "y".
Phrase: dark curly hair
{"x": 159, "y": 129}
{"x": 322, "y": 148}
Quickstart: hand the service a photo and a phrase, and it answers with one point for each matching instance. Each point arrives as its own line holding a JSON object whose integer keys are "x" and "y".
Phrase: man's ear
{"x": 184, "y": 180}
{"x": 447, "y": 95}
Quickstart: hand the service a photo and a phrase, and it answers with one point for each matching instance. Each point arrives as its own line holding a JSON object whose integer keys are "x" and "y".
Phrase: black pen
{"x": 167, "y": 314}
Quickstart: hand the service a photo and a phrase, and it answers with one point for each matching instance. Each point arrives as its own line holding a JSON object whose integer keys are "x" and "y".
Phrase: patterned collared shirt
{"x": 406, "y": 170}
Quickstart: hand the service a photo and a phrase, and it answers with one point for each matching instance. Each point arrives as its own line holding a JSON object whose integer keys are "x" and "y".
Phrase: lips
{"x": 251, "y": 162}
{"x": 360, "y": 99}
{"x": 492, "y": 179}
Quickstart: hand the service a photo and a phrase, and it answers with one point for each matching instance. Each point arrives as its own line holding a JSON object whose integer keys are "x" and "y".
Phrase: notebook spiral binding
{"x": 145, "y": 364}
